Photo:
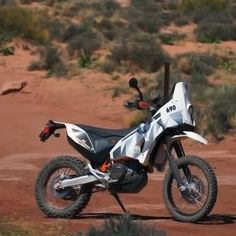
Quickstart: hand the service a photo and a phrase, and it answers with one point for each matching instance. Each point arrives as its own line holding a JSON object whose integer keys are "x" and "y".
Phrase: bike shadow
{"x": 106, "y": 215}
{"x": 216, "y": 219}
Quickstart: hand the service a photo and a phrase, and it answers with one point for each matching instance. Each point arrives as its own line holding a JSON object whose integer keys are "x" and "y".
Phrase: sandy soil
{"x": 84, "y": 100}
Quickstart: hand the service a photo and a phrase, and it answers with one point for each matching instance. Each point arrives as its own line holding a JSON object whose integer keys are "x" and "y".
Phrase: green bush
{"x": 107, "y": 28}
{"x": 88, "y": 41}
{"x": 198, "y": 64}
{"x": 108, "y": 67}
{"x": 215, "y": 32}
{"x": 5, "y": 36}
{"x": 91, "y": 8}
{"x": 7, "y": 51}
{"x": 8, "y": 2}
{"x": 50, "y": 60}
{"x": 123, "y": 226}
{"x": 142, "y": 52}
{"x": 170, "y": 38}
{"x": 149, "y": 16}
{"x": 189, "y": 5}
{"x": 118, "y": 91}
{"x": 180, "y": 21}
{"x": 71, "y": 31}
{"x": 148, "y": 24}
{"x": 24, "y": 22}
{"x": 222, "y": 109}
{"x": 84, "y": 61}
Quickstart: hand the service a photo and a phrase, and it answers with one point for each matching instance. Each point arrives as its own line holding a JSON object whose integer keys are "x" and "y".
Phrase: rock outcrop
{"x": 12, "y": 87}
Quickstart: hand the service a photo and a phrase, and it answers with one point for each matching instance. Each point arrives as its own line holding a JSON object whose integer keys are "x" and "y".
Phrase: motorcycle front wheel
{"x": 61, "y": 203}
{"x": 201, "y": 190}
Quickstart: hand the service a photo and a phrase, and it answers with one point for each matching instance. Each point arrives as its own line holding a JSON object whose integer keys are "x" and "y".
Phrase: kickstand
{"x": 115, "y": 195}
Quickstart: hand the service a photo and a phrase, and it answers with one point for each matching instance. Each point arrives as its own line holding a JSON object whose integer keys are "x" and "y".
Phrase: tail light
{"x": 47, "y": 131}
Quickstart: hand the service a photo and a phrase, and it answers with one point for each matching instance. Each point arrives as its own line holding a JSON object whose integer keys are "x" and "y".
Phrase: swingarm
{"x": 93, "y": 176}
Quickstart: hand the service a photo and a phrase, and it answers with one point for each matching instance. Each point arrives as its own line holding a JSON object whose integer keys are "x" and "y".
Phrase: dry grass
{"x": 25, "y": 229}
{"x": 24, "y": 22}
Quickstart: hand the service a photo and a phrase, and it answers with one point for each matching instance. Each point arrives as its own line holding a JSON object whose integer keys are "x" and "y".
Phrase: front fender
{"x": 192, "y": 135}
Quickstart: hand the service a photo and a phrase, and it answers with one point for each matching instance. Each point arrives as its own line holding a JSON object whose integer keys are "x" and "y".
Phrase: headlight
{"x": 190, "y": 111}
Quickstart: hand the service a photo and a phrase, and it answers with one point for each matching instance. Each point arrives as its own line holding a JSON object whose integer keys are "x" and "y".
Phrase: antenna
{"x": 166, "y": 81}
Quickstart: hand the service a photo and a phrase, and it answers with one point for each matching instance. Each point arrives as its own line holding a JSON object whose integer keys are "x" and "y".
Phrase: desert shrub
{"x": 24, "y": 22}
{"x": 52, "y": 2}
{"x": 94, "y": 8}
{"x": 233, "y": 11}
{"x": 222, "y": 110}
{"x": 105, "y": 8}
{"x": 169, "y": 5}
{"x": 215, "y": 32}
{"x": 107, "y": 28}
{"x": 8, "y": 2}
{"x": 118, "y": 91}
{"x": 210, "y": 15}
{"x": 148, "y": 25}
{"x": 70, "y": 31}
{"x": 142, "y": 51}
{"x": 180, "y": 21}
{"x": 26, "y": 1}
{"x": 203, "y": 64}
{"x": 170, "y": 38}
{"x": 189, "y": 5}
{"x": 88, "y": 41}
{"x": 108, "y": 67}
{"x": 7, "y": 50}
{"x": 25, "y": 229}
{"x": 50, "y": 60}
{"x": 148, "y": 16}
{"x": 214, "y": 26}
{"x": 10, "y": 230}
{"x": 199, "y": 14}
{"x": 196, "y": 68}
{"x": 5, "y": 36}
{"x": 123, "y": 226}
{"x": 228, "y": 64}
{"x": 84, "y": 61}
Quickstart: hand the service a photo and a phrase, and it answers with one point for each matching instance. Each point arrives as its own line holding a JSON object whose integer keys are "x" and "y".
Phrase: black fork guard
{"x": 174, "y": 169}
{"x": 178, "y": 147}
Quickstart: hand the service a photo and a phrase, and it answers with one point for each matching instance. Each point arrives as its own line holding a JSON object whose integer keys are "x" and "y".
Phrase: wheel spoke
{"x": 200, "y": 194}
{"x": 197, "y": 202}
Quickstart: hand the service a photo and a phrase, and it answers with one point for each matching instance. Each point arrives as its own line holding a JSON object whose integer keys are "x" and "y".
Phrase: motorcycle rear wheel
{"x": 62, "y": 203}
{"x": 199, "y": 202}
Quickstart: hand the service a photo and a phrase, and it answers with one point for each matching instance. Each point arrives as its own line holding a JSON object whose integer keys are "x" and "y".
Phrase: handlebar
{"x": 141, "y": 105}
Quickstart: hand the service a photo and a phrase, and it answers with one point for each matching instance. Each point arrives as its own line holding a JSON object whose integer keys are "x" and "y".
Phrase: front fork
{"x": 178, "y": 147}
{"x": 180, "y": 153}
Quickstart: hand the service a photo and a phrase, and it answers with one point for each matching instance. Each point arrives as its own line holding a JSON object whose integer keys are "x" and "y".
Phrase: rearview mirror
{"x": 133, "y": 83}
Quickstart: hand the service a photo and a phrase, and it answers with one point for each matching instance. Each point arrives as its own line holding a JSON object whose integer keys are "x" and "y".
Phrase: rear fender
{"x": 78, "y": 135}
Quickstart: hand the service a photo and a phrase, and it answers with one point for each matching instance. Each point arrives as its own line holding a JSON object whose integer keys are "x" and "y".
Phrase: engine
{"x": 130, "y": 176}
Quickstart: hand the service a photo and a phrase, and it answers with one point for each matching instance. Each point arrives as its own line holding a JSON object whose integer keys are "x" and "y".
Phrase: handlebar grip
{"x": 143, "y": 105}
{"x": 129, "y": 104}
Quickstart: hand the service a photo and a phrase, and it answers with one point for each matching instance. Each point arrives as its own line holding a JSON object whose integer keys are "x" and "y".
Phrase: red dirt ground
{"x": 23, "y": 115}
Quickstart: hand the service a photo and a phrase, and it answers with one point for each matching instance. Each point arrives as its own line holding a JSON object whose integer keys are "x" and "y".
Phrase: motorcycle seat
{"x": 103, "y": 140}
{"x": 106, "y": 133}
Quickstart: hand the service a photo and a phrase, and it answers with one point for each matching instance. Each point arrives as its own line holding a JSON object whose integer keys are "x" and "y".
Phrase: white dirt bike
{"x": 119, "y": 160}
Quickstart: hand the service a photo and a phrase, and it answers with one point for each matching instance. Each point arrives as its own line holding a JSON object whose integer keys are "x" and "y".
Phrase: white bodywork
{"x": 137, "y": 144}
{"x": 192, "y": 135}
{"x": 172, "y": 114}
